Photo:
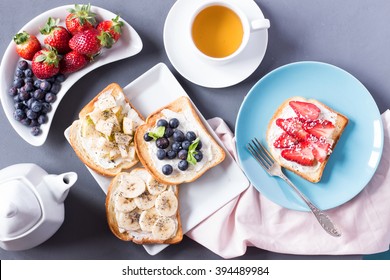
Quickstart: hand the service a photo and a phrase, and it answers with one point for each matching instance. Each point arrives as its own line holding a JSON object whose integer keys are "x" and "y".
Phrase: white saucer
{"x": 177, "y": 44}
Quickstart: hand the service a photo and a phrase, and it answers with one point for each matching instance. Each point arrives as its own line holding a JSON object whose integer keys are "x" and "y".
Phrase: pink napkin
{"x": 252, "y": 220}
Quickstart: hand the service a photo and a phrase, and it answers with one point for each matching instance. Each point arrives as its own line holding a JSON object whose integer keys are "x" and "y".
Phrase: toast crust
{"x": 75, "y": 136}
{"x": 140, "y": 238}
{"x": 340, "y": 123}
{"x": 180, "y": 106}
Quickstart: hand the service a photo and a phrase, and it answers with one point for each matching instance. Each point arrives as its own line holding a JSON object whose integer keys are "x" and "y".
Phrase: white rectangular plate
{"x": 198, "y": 200}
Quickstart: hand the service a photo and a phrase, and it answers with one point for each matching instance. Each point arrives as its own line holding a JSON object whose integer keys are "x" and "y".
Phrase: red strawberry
{"x": 57, "y": 36}
{"x": 113, "y": 27}
{"x": 301, "y": 154}
{"x": 320, "y": 128}
{"x": 305, "y": 110}
{"x": 285, "y": 141}
{"x": 26, "y": 45}
{"x": 86, "y": 42}
{"x": 72, "y": 62}
{"x": 80, "y": 18}
{"x": 45, "y": 64}
{"x": 320, "y": 150}
{"x": 293, "y": 126}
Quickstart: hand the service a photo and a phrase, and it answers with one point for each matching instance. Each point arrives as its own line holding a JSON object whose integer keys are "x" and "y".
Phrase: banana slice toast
{"x": 143, "y": 210}
{"x": 103, "y": 135}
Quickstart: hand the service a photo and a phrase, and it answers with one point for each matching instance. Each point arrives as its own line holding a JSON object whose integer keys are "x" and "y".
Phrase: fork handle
{"x": 322, "y": 218}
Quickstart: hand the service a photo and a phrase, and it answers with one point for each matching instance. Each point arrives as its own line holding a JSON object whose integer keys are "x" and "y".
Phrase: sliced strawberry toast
{"x": 302, "y": 134}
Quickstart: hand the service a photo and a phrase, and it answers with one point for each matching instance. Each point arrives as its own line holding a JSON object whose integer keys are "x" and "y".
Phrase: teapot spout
{"x": 60, "y": 184}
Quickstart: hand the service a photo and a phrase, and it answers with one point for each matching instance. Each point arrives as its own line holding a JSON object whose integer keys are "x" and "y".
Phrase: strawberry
{"x": 45, "y": 63}
{"x": 300, "y": 153}
{"x": 72, "y": 62}
{"x": 56, "y": 36}
{"x": 80, "y": 18}
{"x": 113, "y": 27}
{"x": 86, "y": 42}
{"x": 320, "y": 150}
{"x": 305, "y": 110}
{"x": 285, "y": 141}
{"x": 26, "y": 45}
{"x": 293, "y": 126}
{"x": 319, "y": 128}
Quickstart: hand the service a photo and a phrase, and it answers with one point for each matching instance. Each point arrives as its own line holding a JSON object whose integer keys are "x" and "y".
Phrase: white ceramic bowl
{"x": 128, "y": 45}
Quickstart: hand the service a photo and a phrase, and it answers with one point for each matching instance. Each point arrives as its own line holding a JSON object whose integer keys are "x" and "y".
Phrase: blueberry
{"x": 39, "y": 94}
{"x": 32, "y": 115}
{"x": 45, "y": 85}
{"x": 34, "y": 123}
{"x": 26, "y": 121}
{"x": 198, "y": 156}
{"x": 190, "y": 136}
{"x": 60, "y": 78}
{"x": 37, "y": 83}
{"x": 178, "y": 136}
{"x": 50, "y": 97}
{"x": 167, "y": 169}
{"x": 42, "y": 119}
{"x": 24, "y": 95}
{"x": 51, "y": 79}
{"x": 200, "y": 145}
{"x": 19, "y": 105}
{"x": 176, "y": 146}
{"x": 147, "y": 138}
{"x": 36, "y": 106}
{"x": 23, "y": 65}
{"x": 29, "y": 80}
{"x": 30, "y": 102}
{"x": 28, "y": 86}
{"x": 13, "y": 91}
{"x": 16, "y": 98}
{"x": 162, "y": 122}
{"x": 18, "y": 82}
{"x": 186, "y": 144}
{"x": 35, "y": 130}
{"x": 55, "y": 88}
{"x": 183, "y": 165}
{"x": 162, "y": 143}
{"x": 168, "y": 132}
{"x": 182, "y": 154}
{"x": 174, "y": 123}
{"x": 19, "y": 114}
{"x": 171, "y": 154}
{"x": 46, "y": 107}
{"x": 161, "y": 154}
{"x": 19, "y": 73}
{"x": 28, "y": 72}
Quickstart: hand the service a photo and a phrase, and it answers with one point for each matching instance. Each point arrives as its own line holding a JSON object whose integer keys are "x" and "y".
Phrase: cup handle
{"x": 259, "y": 24}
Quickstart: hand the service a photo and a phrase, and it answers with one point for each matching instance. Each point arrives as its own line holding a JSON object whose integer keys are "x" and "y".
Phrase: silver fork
{"x": 274, "y": 169}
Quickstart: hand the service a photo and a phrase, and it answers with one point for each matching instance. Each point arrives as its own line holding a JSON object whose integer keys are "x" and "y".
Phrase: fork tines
{"x": 260, "y": 153}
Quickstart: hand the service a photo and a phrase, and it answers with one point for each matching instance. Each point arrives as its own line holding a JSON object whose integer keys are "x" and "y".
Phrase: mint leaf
{"x": 157, "y": 133}
{"x": 192, "y": 151}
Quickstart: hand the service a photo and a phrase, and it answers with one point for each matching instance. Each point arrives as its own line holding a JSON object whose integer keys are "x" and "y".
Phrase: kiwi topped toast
{"x": 103, "y": 135}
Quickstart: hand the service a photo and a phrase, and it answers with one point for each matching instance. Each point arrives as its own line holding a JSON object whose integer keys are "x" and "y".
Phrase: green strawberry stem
{"x": 83, "y": 13}
{"x": 49, "y": 26}
{"x": 21, "y": 37}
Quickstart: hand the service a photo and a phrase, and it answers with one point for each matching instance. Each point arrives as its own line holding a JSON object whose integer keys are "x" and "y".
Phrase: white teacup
{"x": 220, "y": 31}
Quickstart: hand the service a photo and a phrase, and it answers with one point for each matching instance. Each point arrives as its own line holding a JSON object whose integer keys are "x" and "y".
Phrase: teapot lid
{"x": 20, "y": 209}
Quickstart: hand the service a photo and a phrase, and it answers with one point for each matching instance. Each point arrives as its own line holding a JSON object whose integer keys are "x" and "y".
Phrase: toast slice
{"x": 103, "y": 136}
{"x": 142, "y": 210}
{"x": 190, "y": 151}
{"x": 302, "y": 134}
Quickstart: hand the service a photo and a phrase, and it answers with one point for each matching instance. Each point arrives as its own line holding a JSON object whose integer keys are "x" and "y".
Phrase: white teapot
{"x": 31, "y": 205}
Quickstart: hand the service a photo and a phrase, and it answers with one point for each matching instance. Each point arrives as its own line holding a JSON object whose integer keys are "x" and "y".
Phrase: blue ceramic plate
{"x": 355, "y": 157}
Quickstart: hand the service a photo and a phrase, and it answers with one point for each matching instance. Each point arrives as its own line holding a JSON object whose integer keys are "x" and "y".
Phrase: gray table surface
{"x": 351, "y": 34}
